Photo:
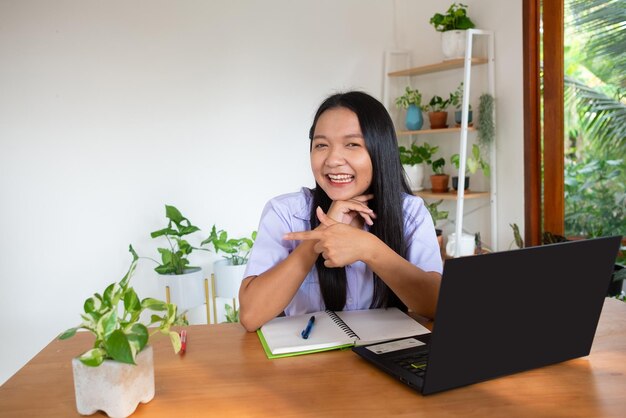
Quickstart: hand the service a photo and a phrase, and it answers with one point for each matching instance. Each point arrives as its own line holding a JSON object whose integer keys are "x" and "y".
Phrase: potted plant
{"x": 453, "y": 25}
{"x": 439, "y": 180}
{"x": 437, "y": 114}
{"x": 118, "y": 371}
{"x": 228, "y": 273}
{"x": 472, "y": 164}
{"x": 438, "y": 215}
{"x": 184, "y": 283}
{"x": 411, "y": 100}
{"x": 413, "y": 160}
{"x": 456, "y": 100}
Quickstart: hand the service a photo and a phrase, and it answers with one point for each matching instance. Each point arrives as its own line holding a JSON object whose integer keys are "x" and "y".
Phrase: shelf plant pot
{"x": 453, "y": 44}
{"x": 414, "y": 119}
{"x": 455, "y": 182}
{"x": 439, "y": 183}
{"x": 458, "y": 115}
{"x": 186, "y": 290}
{"x": 438, "y": 120}
{"x": 415, "y": 174}
{"x": 113, "y": 387}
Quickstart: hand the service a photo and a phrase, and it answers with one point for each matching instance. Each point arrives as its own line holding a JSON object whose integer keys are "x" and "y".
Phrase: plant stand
{"x": 226, "y": 280}
{"x": 113, "y": 387}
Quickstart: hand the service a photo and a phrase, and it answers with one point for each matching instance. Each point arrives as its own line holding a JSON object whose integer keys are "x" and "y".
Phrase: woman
{"x": 359, "y": 240}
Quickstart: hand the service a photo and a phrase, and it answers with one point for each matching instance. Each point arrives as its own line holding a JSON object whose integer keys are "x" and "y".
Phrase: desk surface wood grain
{"x": 225, "y": 374}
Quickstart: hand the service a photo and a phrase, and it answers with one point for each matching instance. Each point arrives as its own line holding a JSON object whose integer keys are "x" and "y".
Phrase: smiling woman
{"x": 358, "y": 240}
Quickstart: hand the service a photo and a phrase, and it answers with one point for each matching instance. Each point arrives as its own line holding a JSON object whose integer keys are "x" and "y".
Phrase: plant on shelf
{"x": 113, "y": 317}
{"x": 456, "y": 100}
{"x": 437, "y": 113}
{"x": 411, "y": 100}
{"x": 486, "y": 127}
{"x": 237, "y": 250}
{"x": 174, "y": 259}
{"x": 453, "y": 25}
{"x": 439, "y": 180}
{"x": 472, "y": 164}
{"x": 455, "y": 18}
{"x": 228, "y": 272}
{"x": 413, "y": 160}
{"x": 417, "y": 154}
{"x": 183, "y": 283}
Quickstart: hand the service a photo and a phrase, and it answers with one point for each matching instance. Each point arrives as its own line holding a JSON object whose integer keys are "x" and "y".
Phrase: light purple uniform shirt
{"x": 291, "y": 213}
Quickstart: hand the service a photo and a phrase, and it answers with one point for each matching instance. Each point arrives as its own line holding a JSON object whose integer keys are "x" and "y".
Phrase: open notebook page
{"x": 374, "y": 325}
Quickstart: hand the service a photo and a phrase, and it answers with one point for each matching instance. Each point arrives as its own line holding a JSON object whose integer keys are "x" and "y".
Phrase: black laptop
{"x": 504, "y": 313}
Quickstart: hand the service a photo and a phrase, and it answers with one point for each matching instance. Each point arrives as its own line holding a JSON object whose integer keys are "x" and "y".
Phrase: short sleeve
{"x": 419, "y": 229}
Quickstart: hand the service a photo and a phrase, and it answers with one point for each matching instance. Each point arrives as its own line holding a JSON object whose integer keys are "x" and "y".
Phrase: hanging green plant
{"x": 486, "y": 126}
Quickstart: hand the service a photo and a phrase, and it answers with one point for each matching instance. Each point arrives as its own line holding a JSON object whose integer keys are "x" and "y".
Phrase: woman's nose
{"x": 335, "y": 157}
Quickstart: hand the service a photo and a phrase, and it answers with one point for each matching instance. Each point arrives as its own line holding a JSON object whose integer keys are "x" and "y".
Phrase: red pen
{"x": 183, "y": 341}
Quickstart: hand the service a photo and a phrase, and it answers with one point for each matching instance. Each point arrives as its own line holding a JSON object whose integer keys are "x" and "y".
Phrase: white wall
{"x": 109, "y": 110}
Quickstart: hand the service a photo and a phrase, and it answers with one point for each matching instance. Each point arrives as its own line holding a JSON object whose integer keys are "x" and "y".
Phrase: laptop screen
{"x": 511, "y": 311}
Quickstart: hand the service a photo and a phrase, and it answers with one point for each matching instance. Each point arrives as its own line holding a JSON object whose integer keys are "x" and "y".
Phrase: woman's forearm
{"x": 265, "y": 296}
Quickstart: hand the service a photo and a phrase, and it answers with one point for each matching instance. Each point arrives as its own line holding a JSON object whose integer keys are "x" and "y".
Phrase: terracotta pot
{"x": 439, "y": 183}
{"x": 438, "y": 120}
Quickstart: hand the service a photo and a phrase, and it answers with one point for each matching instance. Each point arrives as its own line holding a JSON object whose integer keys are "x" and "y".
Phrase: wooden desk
{"x": 225, "y": 374}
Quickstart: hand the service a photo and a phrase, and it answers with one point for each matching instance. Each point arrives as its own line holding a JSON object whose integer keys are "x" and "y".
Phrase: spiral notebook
{"x": 281, "y": 337}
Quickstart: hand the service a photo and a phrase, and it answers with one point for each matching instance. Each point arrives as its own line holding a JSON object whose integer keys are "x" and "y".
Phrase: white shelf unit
{"x": 466, "y": 65}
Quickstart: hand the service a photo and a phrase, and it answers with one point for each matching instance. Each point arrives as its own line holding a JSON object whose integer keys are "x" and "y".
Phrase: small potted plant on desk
{"x": 411, "y": 100}
{"x": 439, "y": 180}
{"x": 437, "y": 113}
{"x": 185, "y": 285}
{"x": 453, "y": 26}
{"x": 472, "y": 164}
{"x": 228, "y": 273}
{"x": 456, "y": 100}
{"x": 118, "y": 372}
{"x": 413, "y": 160}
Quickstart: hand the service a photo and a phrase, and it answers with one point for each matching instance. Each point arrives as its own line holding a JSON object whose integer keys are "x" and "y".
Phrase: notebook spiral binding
{"x": 345, "y": 328}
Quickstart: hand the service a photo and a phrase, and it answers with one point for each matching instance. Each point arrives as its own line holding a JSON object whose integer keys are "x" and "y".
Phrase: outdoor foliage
{"x": 595, "y": 118}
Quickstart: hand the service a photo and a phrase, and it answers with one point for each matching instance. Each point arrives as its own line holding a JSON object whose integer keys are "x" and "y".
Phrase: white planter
{"x": 453, "y": 44}
{"x": 113, "y": 387}
{"x": 186, "y": 290}
{"x": 415, "y": 173}
{"x": 227, "y": 278}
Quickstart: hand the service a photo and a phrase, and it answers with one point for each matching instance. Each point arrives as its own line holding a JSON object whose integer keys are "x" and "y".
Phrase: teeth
{"x": 341, "y": 178}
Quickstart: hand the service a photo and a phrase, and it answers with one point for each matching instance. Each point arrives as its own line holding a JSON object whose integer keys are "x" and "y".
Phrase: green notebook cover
{"x": 269, "y": 354}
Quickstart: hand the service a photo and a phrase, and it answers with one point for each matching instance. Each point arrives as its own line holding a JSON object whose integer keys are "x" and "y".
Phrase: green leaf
{"x": 131, "y": 301}
{"x": 188, "y": 230}
{"x": 118, "y": 347}
{"x": 68, "y": 334}
{"x": 108, "y": 322}
{"x": 164, "y": 231}
{"x": 138, "y": 337}
{"x": 154, "y": 304}
{"x": 174, "y": 214}
{"x": 93, "y": 357}
{"x": 175, "y": 340}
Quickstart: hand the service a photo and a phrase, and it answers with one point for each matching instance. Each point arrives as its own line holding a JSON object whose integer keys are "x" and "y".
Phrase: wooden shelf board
{"x": 451, "y": 195}
{"x": 432, "y": 68}
{"x": 434, "y": 131}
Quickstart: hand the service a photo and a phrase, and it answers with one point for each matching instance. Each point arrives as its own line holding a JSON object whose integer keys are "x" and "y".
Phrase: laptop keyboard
{"x": 414, "y": 363}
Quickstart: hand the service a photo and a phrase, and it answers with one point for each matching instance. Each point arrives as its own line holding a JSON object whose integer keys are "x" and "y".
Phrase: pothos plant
{"x": 237, "y": 250}
{"x": 174, "y": 259}
{"x": 473, "y": 162}
{"x": 417, "y": 154}
{"x": 113, "y": 317}
{"x": 455, "y": 18}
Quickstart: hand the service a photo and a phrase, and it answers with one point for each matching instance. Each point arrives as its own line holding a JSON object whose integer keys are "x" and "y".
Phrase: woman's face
{"x": 340, "y": 161}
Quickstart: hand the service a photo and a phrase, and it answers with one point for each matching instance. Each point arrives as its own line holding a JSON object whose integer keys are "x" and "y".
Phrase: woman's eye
{"x": 319, "y": 146}
{"x": 353, "y": 145}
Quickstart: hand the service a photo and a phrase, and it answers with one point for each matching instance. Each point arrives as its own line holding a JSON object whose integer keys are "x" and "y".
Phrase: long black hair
{"x": 388, "y": 184}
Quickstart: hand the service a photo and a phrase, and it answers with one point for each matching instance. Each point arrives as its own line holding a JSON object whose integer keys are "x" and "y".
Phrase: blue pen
{"x": 309, "y": 326}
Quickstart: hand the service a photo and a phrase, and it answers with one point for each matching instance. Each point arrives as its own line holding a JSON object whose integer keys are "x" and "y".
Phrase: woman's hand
{"x": 338, "y": 243}
{"x": 352, "y": 212}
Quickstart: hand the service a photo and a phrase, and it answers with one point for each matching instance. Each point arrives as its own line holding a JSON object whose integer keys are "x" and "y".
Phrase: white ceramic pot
{"x": 227, "y": 278}
{"x": 186, "y": 290}
{"x": 113, "y": 387}
{"x": 415, "y": 173}
{"x": 453, "y": 44}
{"x": 467, "y": 245}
